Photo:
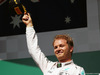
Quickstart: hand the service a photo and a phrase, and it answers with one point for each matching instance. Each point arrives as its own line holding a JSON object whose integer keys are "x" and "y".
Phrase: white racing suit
{"x": 48, "y": 67}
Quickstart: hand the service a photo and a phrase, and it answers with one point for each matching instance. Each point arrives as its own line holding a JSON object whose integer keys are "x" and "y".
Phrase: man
{"x": 63, "y": 48}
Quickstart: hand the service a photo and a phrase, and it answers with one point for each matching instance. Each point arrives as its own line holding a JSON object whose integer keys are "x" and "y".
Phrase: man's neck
{"x": 62, "y": 61}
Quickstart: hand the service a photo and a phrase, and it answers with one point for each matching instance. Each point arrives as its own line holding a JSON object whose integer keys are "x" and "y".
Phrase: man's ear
{"x": 71, "y": 49}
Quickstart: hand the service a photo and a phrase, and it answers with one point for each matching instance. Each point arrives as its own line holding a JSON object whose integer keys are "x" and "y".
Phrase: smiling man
{"x": 63, "y": 48}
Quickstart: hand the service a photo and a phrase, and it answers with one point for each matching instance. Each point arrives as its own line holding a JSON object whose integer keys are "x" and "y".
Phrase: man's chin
{"x": 60, "y": 57}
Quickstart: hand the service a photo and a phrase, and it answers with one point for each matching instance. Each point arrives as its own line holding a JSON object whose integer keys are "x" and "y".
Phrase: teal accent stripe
{"x": 11, "y": 68}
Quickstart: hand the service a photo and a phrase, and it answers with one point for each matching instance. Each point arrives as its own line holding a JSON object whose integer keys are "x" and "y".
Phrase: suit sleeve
{"x": 34, "y": 49}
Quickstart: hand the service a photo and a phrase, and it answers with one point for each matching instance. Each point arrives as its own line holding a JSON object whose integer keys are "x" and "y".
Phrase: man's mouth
{"x": 59, "y": 52}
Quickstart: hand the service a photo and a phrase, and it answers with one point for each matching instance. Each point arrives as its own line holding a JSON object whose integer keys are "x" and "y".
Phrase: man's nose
{"x": 58, "y": 48}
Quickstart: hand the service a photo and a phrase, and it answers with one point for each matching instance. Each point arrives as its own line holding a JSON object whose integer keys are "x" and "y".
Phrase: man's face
{"x": 62, "y": 50}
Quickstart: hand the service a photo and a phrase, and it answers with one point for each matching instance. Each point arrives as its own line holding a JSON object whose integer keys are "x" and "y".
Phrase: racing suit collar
{"x": 63, "y": 64}
{"x": 67, "y": 63}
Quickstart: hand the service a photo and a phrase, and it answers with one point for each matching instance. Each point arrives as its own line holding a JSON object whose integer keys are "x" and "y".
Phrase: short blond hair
{"x": 68, "y": 39}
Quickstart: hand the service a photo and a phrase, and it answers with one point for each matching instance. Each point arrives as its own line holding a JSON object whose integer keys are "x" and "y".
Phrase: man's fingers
{"x": 28, "y": 14}
{"x": 25, "y": 13}
{"x": 25, "y": 17}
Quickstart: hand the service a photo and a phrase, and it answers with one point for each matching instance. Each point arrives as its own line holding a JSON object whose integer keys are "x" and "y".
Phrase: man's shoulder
{"x": 75, "y": 65}
{"x": 78, "y": 67}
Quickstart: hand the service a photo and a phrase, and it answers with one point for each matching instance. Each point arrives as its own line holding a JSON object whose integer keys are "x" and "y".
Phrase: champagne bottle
{"x": 16, "y": 7}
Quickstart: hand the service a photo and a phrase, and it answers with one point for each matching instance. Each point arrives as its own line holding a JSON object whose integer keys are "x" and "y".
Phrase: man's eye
{"x": 61, "y": 45}
{"x": 55, "y": 47}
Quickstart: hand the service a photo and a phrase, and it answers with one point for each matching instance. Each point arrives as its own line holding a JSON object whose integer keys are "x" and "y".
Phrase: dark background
{"x": 47, "y": 15}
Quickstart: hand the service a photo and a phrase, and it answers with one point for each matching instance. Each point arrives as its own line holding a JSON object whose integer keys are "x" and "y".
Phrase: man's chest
{"x": 66, "y": 70}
